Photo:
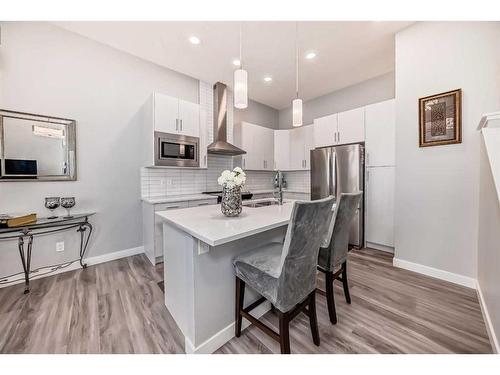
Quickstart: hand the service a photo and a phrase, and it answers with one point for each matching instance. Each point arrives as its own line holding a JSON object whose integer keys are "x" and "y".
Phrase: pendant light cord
{"x": 241, "y": 61}
{"x": 296, "y": 59}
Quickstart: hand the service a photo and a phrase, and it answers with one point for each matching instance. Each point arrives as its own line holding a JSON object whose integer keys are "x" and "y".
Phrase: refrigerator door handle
{"x": 333, "y": 175}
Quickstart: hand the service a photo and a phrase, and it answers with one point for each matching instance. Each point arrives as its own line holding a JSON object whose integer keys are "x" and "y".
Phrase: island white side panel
{"x": 179, "y": 248}
{"x": 214, "y": 284}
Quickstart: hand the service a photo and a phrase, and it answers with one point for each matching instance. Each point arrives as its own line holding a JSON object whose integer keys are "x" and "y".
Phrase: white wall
{"x": 436, "y": 207}
{"x": 488, "y": 275}
{"x": 258, "y": 113}
{"x": 371, "y": 91}
{"x": 47, "y": 70}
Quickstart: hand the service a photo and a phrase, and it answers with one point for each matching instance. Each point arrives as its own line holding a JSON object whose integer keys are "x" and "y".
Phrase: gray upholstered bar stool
{"x": 285, "y": 274}
{"x": 332, "y": 259}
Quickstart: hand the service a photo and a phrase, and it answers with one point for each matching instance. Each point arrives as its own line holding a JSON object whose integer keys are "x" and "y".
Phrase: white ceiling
{"x": 347, "y": 52}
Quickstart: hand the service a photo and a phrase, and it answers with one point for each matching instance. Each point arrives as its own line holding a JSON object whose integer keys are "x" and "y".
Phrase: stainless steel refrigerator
{"x": 336, "y": 170}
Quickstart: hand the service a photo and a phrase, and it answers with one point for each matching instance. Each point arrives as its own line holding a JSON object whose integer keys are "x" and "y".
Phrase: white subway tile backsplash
{"x": 156, "y": 182}
{"x": 298, "y": 180}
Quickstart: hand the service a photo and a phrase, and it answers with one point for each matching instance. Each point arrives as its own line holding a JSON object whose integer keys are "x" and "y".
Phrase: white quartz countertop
{"x": 266, "y": 191}
{"x": 178, "y": 198}
{"x": 208, "y": 224}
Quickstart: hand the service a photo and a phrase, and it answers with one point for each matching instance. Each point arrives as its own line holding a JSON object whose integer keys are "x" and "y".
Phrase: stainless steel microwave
{"x": 176, "y": 150}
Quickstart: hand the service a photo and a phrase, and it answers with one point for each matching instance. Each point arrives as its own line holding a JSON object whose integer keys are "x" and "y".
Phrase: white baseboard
{"x": 89, "y": 261}
{"x": 487, "y": 320}
{"x": 376, "y": 246}
{"x": 224, "y": 335}
{"x": 434, "y": 272}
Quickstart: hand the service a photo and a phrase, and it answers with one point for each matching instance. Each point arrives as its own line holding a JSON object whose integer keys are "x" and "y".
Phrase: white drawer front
{"x": 171, "y": 206}
{"x": 204, "y": 202}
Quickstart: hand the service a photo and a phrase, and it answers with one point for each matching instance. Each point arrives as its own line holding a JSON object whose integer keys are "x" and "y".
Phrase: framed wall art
{"x": 440, "y": 119}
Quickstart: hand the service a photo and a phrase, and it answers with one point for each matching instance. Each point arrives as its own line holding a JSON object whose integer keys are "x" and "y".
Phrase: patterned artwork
{"x": 440, "y": 119}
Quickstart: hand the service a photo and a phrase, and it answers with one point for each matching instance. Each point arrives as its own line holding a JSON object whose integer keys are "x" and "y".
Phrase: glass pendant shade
{"x": 240, "y": 88}
{"x": 297, "y": 112}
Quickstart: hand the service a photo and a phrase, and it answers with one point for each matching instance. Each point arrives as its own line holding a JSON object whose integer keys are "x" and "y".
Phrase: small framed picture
{"x": 440, "y": 119}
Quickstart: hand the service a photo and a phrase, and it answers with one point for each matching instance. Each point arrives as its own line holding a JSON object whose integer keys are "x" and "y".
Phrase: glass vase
{"x": 231, "y": 201}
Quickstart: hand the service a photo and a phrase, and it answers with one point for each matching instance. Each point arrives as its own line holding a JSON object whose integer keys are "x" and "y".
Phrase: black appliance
{"x": 19, "y": 168}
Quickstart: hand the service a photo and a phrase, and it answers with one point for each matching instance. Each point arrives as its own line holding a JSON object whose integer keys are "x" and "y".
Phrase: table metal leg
{"x": 26, "y": 260}
{"x": 84, "y": 241}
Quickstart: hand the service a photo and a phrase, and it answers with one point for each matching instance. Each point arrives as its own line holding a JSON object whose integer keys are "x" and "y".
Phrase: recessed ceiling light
{"x": 310, "y": 55}
{"x": 236, "y": 62}
{"x": 194, "y": 40}
{"x": 268, "y": 78}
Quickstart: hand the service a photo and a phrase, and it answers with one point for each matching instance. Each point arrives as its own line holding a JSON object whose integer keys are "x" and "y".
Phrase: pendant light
{"x": 297, "y": 102}
{"x": 240, "y": 84}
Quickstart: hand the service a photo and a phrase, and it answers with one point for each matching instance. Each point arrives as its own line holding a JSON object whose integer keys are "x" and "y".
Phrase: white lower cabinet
{"x": 152, "y": 230}
{"x": 379, "y": 209}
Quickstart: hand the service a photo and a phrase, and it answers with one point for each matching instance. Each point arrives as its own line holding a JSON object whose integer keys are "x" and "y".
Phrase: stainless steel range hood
{"x": 220, "y": 145}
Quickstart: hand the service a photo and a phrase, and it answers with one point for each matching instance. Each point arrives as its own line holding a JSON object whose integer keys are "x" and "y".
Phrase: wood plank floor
{"x": 117, "y": 307}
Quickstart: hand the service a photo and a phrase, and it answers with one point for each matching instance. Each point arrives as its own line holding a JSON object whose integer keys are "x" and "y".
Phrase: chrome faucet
{"x": 279, "y": 183}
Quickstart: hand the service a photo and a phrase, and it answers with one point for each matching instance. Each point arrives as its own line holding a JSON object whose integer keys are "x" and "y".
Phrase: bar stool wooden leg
{"x": 344, "y": 283}
{"x": 240, "y": 296}
{"x": 284, "y": 335}
{"x": 313, "y": 319}
{"x": 330, "y": 299}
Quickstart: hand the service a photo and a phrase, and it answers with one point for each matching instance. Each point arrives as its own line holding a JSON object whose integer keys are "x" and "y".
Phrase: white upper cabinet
{"x": 282, "y": 150}
{"x": 258, "y": 142}
{"x": 325, "y": 129}
{"x": 380, "y": 123}
{"x": 308, "y": 134}
{"x": 189, "y": 118}
{"x": 294, "y": 147}
{"x": 351, "y": 126}
{"x": 172, "y": 115}
{"x": 268, "y": 148}
{"x": 296, "y": 150}
{"x": 166, "y": 110}
{"x": 340, "y": 128}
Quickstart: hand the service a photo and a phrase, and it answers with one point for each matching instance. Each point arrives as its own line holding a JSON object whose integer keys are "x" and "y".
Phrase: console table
{"x": 46, "y": 226}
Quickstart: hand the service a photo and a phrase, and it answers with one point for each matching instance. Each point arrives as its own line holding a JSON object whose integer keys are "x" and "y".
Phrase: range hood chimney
{"x": 220, "y": 145}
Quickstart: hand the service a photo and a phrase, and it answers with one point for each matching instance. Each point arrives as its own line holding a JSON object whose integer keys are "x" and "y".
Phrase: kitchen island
{"x": 199, "y": 244}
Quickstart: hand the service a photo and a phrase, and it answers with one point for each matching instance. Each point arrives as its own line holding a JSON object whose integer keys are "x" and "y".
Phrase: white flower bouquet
{"x": 232, "y": 179}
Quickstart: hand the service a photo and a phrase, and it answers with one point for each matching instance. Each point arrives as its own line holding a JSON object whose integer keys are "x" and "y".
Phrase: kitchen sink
{"x": 261, "y": 203}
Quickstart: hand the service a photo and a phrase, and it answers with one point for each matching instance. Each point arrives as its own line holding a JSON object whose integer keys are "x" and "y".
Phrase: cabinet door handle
{"x": 203, "y": 204}
{"x": 176, "y": 124}
{"x": 337, "y": 132}
{"x": 335, "y": 137}
{"x": 181, "y": 123}
{"x": 172, "y": 207}
{"x": 243, "y": 162}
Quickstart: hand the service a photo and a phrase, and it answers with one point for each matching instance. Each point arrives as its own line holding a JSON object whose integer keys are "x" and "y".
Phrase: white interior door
{"x": 380, "y": 128}
{"x": 379, "y": 210}
{"x": 166, "y": 110}
{"x": 351, "y": 126}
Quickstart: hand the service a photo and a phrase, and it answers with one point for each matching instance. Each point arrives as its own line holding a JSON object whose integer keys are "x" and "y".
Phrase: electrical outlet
{"x": 59, "y": 246}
